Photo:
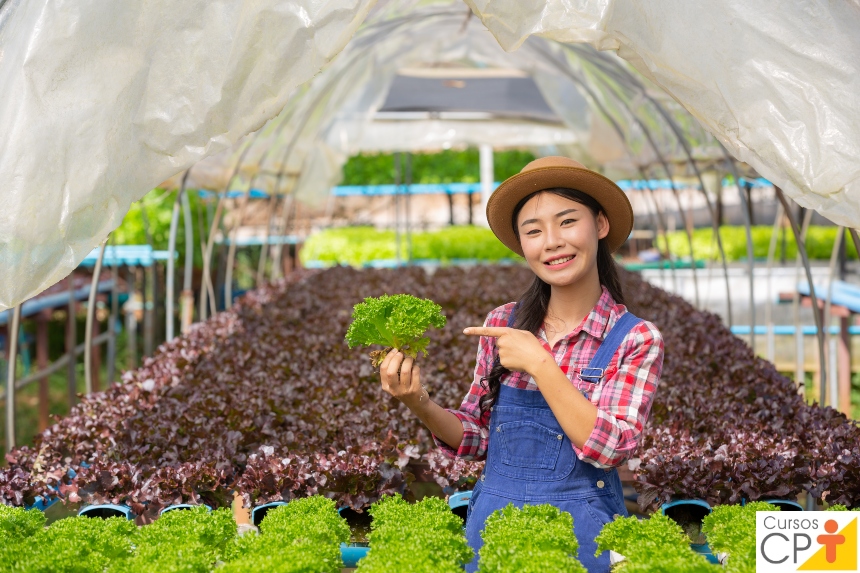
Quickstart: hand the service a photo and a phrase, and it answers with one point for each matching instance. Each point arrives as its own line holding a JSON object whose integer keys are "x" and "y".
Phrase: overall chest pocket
{"x": 529, "y": 450}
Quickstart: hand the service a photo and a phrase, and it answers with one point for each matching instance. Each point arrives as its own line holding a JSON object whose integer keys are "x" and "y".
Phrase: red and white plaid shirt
{"x": 623, "y": 398}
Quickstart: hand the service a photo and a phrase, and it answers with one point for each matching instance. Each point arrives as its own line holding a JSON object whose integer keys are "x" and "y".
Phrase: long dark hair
{"x": 534, "y": 303}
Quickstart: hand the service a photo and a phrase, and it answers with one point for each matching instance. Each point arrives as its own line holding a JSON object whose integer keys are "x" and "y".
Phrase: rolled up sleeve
{"x": 624, "y": 401}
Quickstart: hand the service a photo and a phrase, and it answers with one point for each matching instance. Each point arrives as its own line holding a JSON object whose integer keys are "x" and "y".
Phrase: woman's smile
{"x": 559, "y": 262}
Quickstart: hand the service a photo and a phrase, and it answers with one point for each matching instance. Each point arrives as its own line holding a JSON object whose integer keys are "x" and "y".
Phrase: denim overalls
{"x": 530, "y": 460}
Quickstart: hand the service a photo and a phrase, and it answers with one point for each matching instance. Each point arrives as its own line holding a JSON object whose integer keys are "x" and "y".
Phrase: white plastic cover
{"x": 778, "y": 83}
{"x": 605, "y": 125}
{"x": 102, "y": 100}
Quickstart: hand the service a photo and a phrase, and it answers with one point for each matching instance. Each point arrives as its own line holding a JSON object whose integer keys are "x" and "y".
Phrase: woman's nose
{"x": 553, "y": 240}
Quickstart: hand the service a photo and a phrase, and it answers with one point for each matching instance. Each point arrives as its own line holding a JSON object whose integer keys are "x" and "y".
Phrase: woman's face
{"x": 559, "y": 238}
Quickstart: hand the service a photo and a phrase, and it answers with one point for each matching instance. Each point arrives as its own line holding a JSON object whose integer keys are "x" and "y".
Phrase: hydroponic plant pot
{"x": 690, "y": 513}
{"x": 259, "y": 512}
{"x": 785, "y": 504}
{"x": 353, "y": 551}
{"x": 106, "y": 510}
{"x": 459, "y": 504}
{"x": 180, "y": 506}
{"x": 42, "y": 504}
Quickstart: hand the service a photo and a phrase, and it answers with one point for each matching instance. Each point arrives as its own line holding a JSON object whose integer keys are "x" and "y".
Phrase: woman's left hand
{"x": 518, "y": 350}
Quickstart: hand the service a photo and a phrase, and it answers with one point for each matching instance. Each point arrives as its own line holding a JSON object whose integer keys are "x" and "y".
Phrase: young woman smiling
{"x": 566, "y": 376}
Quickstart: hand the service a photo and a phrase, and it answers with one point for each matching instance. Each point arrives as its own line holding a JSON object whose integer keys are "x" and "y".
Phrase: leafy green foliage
{"x": 395, "y": 321}
{"x": 155, "y": 211}
{"x": 75, "y": 544}
{"x": 357, "y": 246}
{"x": 425, "y": 537}
{"x": 303, "y": 536}
{"x": 532, "y": 539}
{"x": 189, "y": 540}
{"x": 443, "y": 167}
{"x": 839, "y": 507}
{"x": 639, "y": 541}
{"x": 819, "y": 243}
{"x": 16, "y": 523}
{"x": 731, "y": 529}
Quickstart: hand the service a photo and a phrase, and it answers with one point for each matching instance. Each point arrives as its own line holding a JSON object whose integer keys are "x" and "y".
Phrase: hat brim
{"x": 616, "y": 205}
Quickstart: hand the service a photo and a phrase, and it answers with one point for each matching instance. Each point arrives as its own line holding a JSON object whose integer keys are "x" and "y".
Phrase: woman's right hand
{"x": 400, "y": 377}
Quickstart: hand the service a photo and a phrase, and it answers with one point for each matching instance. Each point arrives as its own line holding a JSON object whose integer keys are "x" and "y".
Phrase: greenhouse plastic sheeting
{"x": 778, "y": 83}
{"x": 335, "y": 117}
{"x": 90, "y": 126}
{"x": 103, "y": 100}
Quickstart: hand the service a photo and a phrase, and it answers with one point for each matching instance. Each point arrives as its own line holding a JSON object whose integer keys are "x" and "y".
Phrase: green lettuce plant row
{"x": 652, "y": 545}
{"x": 357, "y": 246}
{"x": 301, "y": 537}
{"x": 819, "y": 243}
{"x": 421, "y": 537}
{"x": 532, "y": 539}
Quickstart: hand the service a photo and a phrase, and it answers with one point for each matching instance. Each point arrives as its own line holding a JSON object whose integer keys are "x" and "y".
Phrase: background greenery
{"x": 357, "y": 246}
{"x": 819, "y": 243}
{"x": 149, "y": 219}
{"x": 443, "y": 167}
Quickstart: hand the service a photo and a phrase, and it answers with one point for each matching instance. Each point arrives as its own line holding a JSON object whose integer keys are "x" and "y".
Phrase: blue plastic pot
{"x": 459, "y": 504}
{"x": 180, "y": 506}
{"x": 259, "y": 512}
{"x": 351, "y": 553}
{"x": 106, "y": 510}
{"x": 698, "y": 507}
{"x": 785, "y": 504}
{"x": 40, "y": 503}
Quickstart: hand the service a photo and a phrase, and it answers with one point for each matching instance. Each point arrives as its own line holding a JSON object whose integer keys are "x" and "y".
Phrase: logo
{"x": 806, "y": 541}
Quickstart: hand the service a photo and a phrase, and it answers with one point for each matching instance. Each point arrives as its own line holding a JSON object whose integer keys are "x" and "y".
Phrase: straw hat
{"x": 553, "y": 171}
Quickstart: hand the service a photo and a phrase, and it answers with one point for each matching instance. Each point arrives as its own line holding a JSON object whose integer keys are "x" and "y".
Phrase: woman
{"x": 565, "y": 378}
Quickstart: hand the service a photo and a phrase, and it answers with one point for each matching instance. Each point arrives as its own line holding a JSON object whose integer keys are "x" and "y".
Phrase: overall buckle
{"x": 596, "y": 373}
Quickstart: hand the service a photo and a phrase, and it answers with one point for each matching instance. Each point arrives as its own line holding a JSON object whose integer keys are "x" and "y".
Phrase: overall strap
{"x": 595, "y": 369}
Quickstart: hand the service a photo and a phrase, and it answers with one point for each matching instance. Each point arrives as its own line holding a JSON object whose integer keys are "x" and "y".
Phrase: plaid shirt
{"x": 623, "y": 399}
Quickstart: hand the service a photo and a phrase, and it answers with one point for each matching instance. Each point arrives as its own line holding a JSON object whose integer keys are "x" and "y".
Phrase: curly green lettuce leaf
{"x": 394, "y": 321}
{"x": 731, "y": 529}
{"x": 639, "y": 540}
{"x": 532, "y": 539}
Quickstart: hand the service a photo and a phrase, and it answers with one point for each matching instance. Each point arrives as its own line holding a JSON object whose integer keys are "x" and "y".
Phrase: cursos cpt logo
{"x": 807, "y": 541}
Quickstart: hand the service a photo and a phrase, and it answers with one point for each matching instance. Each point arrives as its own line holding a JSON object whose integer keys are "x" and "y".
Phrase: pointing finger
{"x": 494, "y": 331}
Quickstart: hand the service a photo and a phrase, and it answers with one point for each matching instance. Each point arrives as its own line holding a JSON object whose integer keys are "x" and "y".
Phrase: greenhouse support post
{"x": 801, "y": 249}
{"x": 71, "y": 343}
{"x": 10, "y": 378}
{"x": 42, "y": 364}
{"x": 114, "y": 313}
{"x": 91, "y": 316}
{"x": 397, "y": 208}
{"x": 130, "y": 320}
{"x": 768, "y": 309}
{"x": 485, "y": 157}
{"x": 170, "y": 290}
{"x": 827, "y": 319}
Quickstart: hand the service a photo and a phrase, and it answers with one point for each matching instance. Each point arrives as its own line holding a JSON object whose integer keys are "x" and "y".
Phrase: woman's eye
{"x": 566, "y": 221}
{"x": 533, "y": 232}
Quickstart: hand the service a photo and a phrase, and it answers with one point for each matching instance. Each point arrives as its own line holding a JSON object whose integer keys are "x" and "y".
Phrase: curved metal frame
{"x": 628, "y": 79}
{"x": 768, "y": 309}
{"x": 828, "y": 304}
{"x": 171, "y": 260}
{"x": 801, "y": 249}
